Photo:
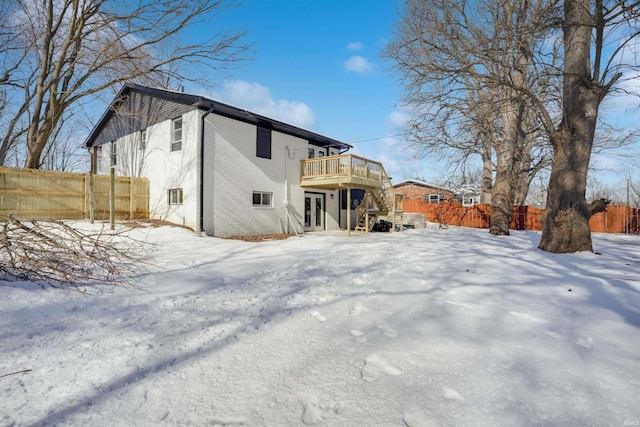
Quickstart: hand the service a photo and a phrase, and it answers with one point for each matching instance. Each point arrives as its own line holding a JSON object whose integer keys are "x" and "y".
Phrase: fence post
{"x": 112, "y": 199}
{"x": 131, "y": 198}
{"x": 94, "y": 169}
{"x": 92, "y": 202}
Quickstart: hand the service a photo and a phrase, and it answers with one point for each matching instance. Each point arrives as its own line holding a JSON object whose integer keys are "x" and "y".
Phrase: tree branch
{"x": 66, "y": 257}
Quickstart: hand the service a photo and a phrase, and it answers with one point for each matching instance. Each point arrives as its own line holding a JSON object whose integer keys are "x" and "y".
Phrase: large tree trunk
{"x": 503, "y": 190}
{"x": 565, "y": 224}
{"x": 524, "y": 164}
{"x": 487, "y": 174}
{"x": 566, "y": 219}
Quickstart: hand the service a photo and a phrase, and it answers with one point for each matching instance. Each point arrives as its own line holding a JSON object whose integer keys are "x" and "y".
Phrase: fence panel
{"x": 38, "y": 194}
{"x": 616, "y": 219}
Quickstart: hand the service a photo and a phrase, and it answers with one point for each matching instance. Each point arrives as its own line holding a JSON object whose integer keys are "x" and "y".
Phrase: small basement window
{"x": 262, "y": 199}
{"x": 175, "y": 196}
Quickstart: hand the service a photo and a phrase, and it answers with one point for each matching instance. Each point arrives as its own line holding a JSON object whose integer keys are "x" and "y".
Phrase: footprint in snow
{"x": 386, "y": 330}
{"x": 316, "y": 412}
{"x": 451, "y": 394}
{"x": 358, "y": 335}
{"x": 417, "y": 418}
{"x": 357, "y": 309}
{"x": 319, "y": 317}
{"x": 374, "y": 366}
{"x": 586, "y": 342}
{"x": 311, "y": 414}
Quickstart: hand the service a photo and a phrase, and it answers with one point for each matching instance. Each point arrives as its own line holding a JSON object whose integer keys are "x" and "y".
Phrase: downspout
{"x": 202, "y": 124}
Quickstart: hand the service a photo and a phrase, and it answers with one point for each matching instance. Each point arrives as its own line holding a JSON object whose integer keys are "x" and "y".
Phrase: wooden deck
{"x": 349, "y": 172}
{"x": 344, "y": 171}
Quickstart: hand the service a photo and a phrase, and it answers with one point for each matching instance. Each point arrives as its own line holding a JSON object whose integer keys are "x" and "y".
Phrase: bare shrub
{"x": 66, "y": 257}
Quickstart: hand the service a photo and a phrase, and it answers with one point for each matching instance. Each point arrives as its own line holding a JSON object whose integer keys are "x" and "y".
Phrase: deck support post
{"x": 366, "y": 213}
{"x": 349, "y": 211}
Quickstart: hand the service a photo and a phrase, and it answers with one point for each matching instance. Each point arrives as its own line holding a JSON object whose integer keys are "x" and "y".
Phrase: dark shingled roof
{"x": 105, "y": 131}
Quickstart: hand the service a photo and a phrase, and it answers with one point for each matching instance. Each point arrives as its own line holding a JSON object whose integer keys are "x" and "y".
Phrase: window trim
{"x": 437, "y": 196}
{"x": 261, "y": 194}
{"x": 114, "y": 153}
{"x": 143, "y": 139}
{"x": 470, "y": 200}
{"x": 176, "y": 144}
{"x": 180, "y": 196}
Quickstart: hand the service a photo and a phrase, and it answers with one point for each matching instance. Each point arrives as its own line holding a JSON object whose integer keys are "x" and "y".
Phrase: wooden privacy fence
{"x": 616, "y": 219}
{"x": 39, "y": 194}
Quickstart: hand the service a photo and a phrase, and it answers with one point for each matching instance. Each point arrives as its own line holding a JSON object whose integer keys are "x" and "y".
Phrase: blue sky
{"x": 317, "y": 64}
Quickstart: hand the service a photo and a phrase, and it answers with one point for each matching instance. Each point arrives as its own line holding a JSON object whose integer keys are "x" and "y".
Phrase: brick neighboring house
{"x": 413, "y": 189}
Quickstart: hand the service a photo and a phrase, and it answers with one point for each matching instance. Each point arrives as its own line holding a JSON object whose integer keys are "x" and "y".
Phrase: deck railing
{"x": 346, "y": 165}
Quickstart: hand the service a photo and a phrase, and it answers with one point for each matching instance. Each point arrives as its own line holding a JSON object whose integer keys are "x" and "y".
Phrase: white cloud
{"x": 258, "y": 98}
{"x": 358, "y": 64}
{"x": 398, "y": 119}
{"x": 354, "y": 46}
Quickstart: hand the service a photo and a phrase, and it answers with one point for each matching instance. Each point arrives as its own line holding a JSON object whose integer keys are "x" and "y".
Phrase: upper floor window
{"x": 114, "y": 153}
{"x": 316, "y": 152}
{"x": 263, "y": 143}
{"x": 143, "y": 139}
{"x": 176, "y": 134}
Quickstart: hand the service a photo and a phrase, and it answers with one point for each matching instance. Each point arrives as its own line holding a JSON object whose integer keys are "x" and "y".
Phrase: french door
{"x": 313, "y": 212}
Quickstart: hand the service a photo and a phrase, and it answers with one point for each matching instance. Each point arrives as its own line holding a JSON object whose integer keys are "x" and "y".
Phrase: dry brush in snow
{"x": 63, "y": 256}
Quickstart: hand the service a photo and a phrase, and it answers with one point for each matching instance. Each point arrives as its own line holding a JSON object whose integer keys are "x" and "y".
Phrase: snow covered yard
{"x": 422, "y": 328}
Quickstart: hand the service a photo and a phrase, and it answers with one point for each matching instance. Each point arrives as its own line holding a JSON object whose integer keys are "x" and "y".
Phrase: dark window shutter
{"x": 263, "y": 143}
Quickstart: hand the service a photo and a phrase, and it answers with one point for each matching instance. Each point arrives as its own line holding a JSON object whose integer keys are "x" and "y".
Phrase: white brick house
{"x": 214, "y": 167}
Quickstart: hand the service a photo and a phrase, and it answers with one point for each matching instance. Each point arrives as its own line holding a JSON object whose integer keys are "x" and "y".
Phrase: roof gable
{"x": 420, "y": 184}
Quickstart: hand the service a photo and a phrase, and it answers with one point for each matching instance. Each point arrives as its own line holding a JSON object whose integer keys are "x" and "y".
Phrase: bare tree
{"x": 65, "y": 152}
{"x": 467, "y": 67}
{"x": 633, "y": 193}
{"x": 601, "y": 190}
{"x": 586, "y": 26}
{"x": 55, "y": 54}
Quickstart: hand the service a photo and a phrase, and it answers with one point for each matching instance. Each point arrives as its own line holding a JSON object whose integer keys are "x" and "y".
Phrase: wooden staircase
{"x": 347, "y": 171}
{"x": 379, "y": 202}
